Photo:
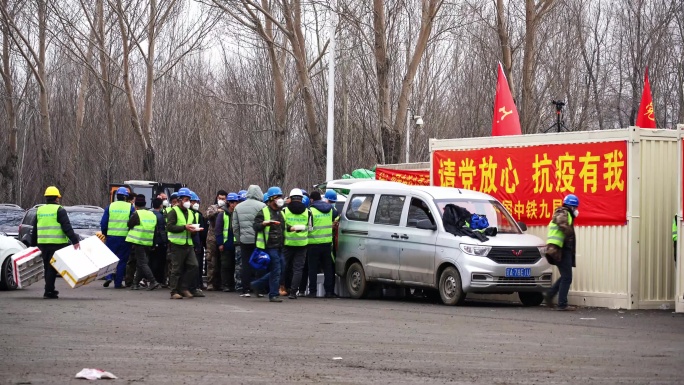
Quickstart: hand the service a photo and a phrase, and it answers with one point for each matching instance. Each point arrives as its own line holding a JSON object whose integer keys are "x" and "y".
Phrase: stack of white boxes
{"x": 27, "y": 267}
{"x": 80, "y": 267}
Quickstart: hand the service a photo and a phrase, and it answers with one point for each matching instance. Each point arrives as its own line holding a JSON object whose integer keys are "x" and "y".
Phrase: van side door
{"x": 417, "y": 245}
{"x": 384, "y": 249}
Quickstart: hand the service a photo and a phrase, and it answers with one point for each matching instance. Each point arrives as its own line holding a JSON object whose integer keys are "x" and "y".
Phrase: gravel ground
{"x": 145, "y": 338}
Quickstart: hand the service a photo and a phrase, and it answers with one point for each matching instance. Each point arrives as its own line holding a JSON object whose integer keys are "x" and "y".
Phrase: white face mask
{"x": 195, "y": 207}
{"x": 221, "y": 203}
{"x": 575, "y": 213}
{"x": 280, "y": 202}
{"x": 186, "y": 204}
{"x": 165, "y": 203}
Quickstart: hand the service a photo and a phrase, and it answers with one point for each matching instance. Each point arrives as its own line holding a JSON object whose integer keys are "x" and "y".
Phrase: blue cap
{"x": 194, "y": 196}
{"x": 273, "y": 191}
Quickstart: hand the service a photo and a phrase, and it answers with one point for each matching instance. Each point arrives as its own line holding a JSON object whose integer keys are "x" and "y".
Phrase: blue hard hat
{"x": 174, "y": 195}
{"x": 273, "y": 191}
{"x": 305, "y": 200}
{"x": 571, "y": 200}
{"x": 331, "y": 195}
{"x": 242, "y": 192}
{"x": 122, "y": 191}
{"x": 184, "y": 192}
{"x": 242, "y": 196}
{"x": 232, "y": 197}
{"x": 194, "y": 196}
{"x": 266, "y": 197}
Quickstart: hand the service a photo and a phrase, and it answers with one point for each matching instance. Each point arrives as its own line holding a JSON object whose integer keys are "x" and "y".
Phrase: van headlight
{"x": 542, "y": 250}
{"x": 478, "y": 251}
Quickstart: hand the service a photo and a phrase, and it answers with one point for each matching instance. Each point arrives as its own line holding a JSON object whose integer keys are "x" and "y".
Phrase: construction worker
{"x": 161, "y": 241}
{"x": 199, "y": 240}
{"x": 180, "y": 227}
{"x": 113, "y": 226}
{"x": 296, "y": 217}
{"x": 243, "y": 222}
{"x": 141, "y": 229}
{"x": 674, "y": 236}
{"x": 225, "y": 238}
{"x": 561, "y": 249}
{"x": 323, "y": 215}
{"x": 269, "y": 226}
{"x": 213, "y": 255}
{"x": 169, "y": 205}
{"x": 52, "y": 231}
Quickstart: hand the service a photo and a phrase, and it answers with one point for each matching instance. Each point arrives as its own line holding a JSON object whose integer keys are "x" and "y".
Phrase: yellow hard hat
{"x": 52, "y": 191}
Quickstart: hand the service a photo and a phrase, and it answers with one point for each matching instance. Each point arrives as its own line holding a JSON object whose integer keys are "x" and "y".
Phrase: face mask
{"x": 195, "y": 207}
{"x": 280, "y": 202}
{"x": 186, "y": 204}
{"x": 575, "y": 213}
{"x": 221, "y": 203}
{"x": 165, "y": 203}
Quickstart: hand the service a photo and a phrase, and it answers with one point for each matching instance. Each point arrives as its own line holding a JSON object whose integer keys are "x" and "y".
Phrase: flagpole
{"x": 329, "y": 169}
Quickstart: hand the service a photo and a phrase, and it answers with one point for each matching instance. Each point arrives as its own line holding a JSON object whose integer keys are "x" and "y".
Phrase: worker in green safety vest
{"x": 113, "y": 226}
{"x": 320, "y": 245}
{"x": 141, "y": 229}
{"x": 560, "y": 248}
{"x": 269, "y": 227}
{"x": 52, "y": 231}
{"x": 225, "y": 238}
{"x": 674, "y": 236}
{"x": 180, "y": 225}
{"x": 297, "y": 218}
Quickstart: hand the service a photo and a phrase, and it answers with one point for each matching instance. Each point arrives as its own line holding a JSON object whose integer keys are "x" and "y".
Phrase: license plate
{"x": 519, "y": 272}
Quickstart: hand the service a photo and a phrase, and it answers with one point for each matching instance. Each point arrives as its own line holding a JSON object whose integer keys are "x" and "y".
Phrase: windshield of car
{"x": 11, "y": 218}
{"x": 496, "y": 214}
{"x": 85, "y": 220}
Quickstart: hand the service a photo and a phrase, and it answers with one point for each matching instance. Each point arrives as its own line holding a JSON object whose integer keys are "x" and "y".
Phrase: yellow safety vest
{"x": 262, "y": 236}
{"x": 554, "y": 235}
{"x": 184, "y": 237}
{"x": 300, "y": 238}
{"x": 119, "y": 214}
{"x": 322, "y": 227}
{"x": 48, "y": 230}
{"x": 143, "y": 233}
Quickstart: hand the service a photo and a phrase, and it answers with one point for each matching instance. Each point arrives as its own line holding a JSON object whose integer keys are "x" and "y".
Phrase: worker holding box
{"x": 51, "y": 232}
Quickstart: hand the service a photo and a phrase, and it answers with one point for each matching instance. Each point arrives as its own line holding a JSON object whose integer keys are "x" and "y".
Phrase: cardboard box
{"x": 27, "y": 267}
{"x": 74, "y": 266}
{"x": 99, "y": 254}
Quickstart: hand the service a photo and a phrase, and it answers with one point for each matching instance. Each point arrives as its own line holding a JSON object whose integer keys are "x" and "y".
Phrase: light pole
{"x": 419, "y": 122}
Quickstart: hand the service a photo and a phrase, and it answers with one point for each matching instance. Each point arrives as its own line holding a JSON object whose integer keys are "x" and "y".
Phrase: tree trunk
{"x": 9, "y": 168}
{"x": 505, "y": 42}
{"x": 107, "y": 92}
{"x": 389, "y": 137}
{"x": 49, "y": 178}
{"x": 149, "y": 163}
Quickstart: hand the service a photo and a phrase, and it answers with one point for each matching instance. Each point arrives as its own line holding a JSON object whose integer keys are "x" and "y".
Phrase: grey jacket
{"x": 244, "y": 214}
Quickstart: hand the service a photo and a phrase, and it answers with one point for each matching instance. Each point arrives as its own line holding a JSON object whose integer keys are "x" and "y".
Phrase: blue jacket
{"x": 218, "y": 231}
{"x": 105, "y": 219}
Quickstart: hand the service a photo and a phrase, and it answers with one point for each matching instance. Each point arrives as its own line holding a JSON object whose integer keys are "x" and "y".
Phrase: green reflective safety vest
{"x": 322, "y": 227}
{"x": 555, "y": 236}
{"x": 299, "y": 238}
{"x": 119, "y": 214}
{"x": 183, "y": 238}
{"x": 674, "y": 229}
{"x": 226, "y": 229}
{"x": 49, "y": 231}
{"x": 262, "y": 236}
{"x": 143, "y": 234}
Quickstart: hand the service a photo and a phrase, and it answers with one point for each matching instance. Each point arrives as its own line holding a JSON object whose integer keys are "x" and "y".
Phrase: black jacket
{"x": 455, "y": 219}
{"x": 275, "y": 233}
{"x": 63, "y": 219}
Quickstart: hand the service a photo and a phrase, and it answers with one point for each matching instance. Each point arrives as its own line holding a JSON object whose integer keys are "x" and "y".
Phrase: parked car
{"x": 85, "y": 220}
{"x": 391, "y": 233}
{"x": 8, "y": 247}
{"x": 10, "y": 218}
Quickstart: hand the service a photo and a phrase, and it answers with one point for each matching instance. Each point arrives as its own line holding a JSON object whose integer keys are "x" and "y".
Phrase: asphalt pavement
{"x": 145, "y": 338}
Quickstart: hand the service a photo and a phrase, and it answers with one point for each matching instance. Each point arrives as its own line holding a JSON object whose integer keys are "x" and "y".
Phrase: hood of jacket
{"x": 321, "y": 206}
{"x": 296, "y": 207}
{"x": 254, "y": 192}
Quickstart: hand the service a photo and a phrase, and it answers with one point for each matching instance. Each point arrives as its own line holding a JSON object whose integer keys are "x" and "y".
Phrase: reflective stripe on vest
{"x": 48, "y": 230}
{"x": 143, "y": 234}
{"x": 260, "y": 241}
{"x": 119, "y": 214}
{"x": 299, "y": 238}
{"x": 184, "y": 237}
{"x": 322, "y": 227}
{"x": 554, "y": 235}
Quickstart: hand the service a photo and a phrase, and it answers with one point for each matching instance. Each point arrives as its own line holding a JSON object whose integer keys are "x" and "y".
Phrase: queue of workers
{"x": 165, "y": 246}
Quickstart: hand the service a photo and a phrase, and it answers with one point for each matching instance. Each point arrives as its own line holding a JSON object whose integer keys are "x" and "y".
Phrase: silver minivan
{"x": 392, "y": 233}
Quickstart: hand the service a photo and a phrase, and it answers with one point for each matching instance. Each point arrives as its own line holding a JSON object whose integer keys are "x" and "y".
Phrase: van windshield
{"x": 496, "y": 214}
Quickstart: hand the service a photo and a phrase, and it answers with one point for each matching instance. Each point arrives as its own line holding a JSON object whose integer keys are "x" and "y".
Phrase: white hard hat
{"x": 296, "y": 193}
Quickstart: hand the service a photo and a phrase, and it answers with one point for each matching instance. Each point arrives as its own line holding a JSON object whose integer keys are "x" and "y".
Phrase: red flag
{"x": 646, "y": 117}
{"x": 505, "y": 120}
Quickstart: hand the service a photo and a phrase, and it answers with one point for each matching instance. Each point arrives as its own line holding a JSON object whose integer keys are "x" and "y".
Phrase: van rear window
{"x": 359, "y": 208}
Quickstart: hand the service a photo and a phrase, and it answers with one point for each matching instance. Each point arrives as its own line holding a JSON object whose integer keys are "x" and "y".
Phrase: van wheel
{"x": 531, "y": 298}
{"x": 356, "y": 281}
{"x": 450, "y": 288}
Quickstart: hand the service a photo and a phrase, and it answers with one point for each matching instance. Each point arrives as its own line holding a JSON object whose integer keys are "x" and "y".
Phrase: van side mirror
{"x": 426, "y": 224}
{"x": 523, "y": 226}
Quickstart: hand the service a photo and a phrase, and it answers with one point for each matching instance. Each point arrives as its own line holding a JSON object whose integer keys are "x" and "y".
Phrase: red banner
{"x": 410, "y": 177}
{"x": 532, "y": 181}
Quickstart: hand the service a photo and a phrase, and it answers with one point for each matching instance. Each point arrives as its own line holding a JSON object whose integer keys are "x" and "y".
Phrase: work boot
{"x": 275, "y": 299}
{"x": 311, "y": 295}
{"x": 227, "y": 289}
{"x": 331, "y": 295}
{"x": 176, "y": 296}
{"x": 186, "y": 294}
{"x": 282, "y": 290}
{"x": 154, "y": 285}
{"x": 51, "y": 295}
{"x": 293, "y": 294}
{"x": 197, "y": 293}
